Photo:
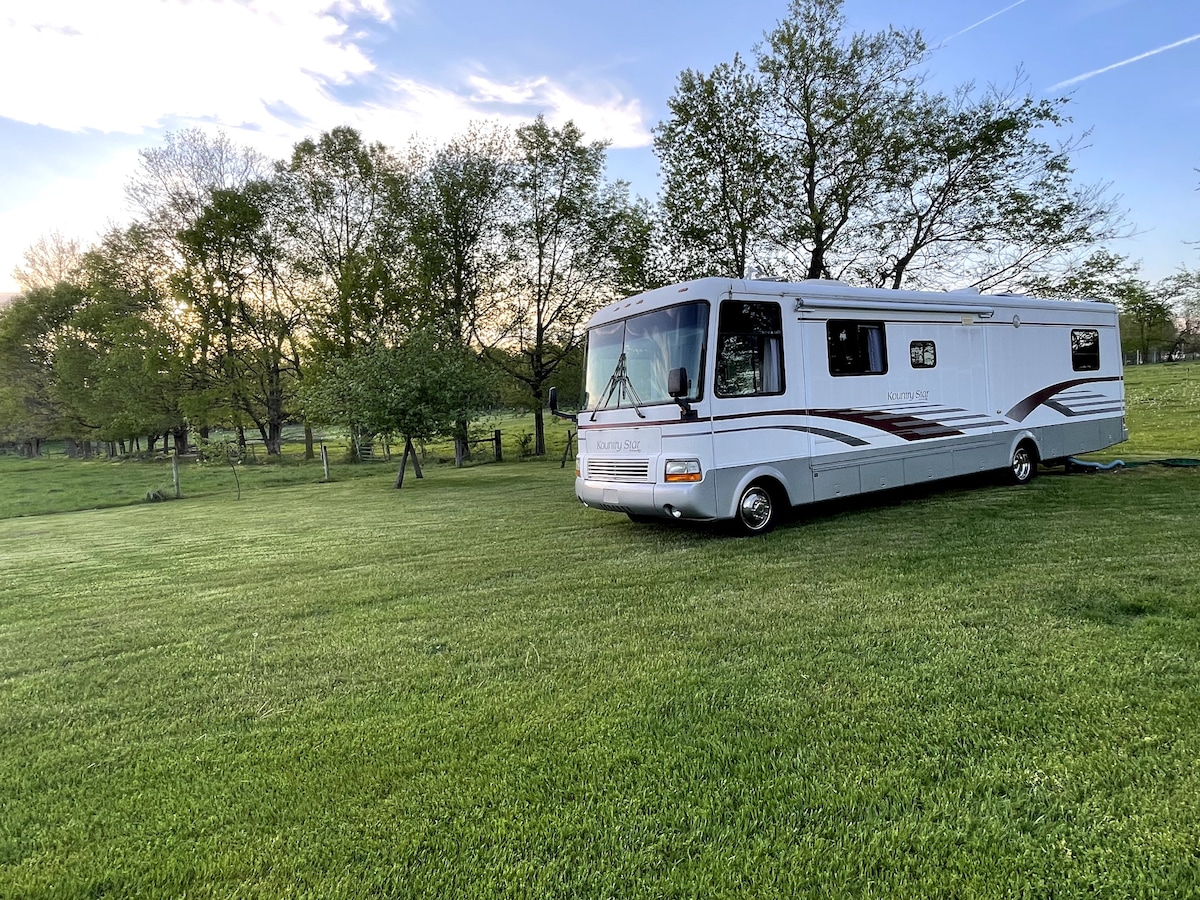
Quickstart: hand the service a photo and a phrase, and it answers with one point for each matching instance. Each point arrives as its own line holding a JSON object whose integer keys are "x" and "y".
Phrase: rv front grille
{"x": 628, "y": 470}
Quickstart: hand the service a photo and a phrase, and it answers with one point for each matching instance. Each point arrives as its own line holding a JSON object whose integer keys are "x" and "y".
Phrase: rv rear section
{"x": 734, "y": 400}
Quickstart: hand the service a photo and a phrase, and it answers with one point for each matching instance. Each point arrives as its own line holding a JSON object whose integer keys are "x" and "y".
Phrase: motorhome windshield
{"x": 628, "y": 361}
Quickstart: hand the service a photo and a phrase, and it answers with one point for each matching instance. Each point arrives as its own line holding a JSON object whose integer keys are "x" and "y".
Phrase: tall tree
{"x": 236, "y": 278}
{"x": 174, "y": 183}
{"x": 562, "y": 264}
{"x": 721, "y": 174}
{"x": 833, "y": 160}
{"x": 343, "y": 202}
{"x": 836, "y": 112}
{"x": 1182, "y": 291}
{"x": 1147, "y": 320}
{"x": 171, "y": 190}
{"x": 460, "y": 203}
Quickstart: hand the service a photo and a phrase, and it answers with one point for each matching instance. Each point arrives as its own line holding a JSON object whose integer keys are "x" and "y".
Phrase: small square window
{"x": 922, "y": 354}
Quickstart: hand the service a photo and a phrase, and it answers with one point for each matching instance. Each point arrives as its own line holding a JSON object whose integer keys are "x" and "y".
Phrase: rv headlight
{"x": 682, "y": 470}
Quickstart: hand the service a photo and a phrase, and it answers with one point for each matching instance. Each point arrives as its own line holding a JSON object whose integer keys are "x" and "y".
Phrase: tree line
{"x": 402, "y": 291}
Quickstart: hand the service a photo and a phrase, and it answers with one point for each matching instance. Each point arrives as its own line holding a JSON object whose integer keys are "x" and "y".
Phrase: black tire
{"x": 758, "y": 510}
{"x": 1023, "y": 466}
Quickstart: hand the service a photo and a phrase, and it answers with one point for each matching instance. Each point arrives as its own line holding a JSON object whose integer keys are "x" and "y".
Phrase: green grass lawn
{"x": 474, "y": 687}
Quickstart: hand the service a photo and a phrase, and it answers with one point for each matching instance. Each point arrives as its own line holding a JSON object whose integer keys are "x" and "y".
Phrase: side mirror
{"x": 677, "y": 383}
{"x": 552, "y": 400}
{"x": 677, "y": 389}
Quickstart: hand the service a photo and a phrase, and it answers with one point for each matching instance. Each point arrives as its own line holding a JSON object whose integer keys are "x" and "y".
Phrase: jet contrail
{"x": 1086, "y": 75}
{"x": 945, "y": 41}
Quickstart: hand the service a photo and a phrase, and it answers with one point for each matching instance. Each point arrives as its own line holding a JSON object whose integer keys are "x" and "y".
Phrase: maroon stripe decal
{"x": 1019, "y": 412}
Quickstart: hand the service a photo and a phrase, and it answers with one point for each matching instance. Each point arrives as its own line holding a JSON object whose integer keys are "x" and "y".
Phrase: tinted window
{"x": 749, "y": 349}
{"x": 856, "y": 348}
{"x": 1085, "y": 350}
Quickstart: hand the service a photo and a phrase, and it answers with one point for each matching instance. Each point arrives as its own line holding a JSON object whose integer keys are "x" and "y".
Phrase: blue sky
{"x": 87, "y": 84}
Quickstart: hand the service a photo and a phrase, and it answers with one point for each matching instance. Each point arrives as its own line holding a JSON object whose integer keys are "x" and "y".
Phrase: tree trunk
{"x": 462, "y": 450}
{"x": 308, "y": 441}
{"x": 539, "y": 430}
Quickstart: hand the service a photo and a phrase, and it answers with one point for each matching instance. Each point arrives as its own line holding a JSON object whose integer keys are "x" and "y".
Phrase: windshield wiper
{"x": 620, "y": 382}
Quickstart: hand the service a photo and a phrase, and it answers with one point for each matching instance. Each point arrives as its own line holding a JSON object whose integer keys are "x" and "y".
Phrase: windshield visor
{"x": 653, "y": 344}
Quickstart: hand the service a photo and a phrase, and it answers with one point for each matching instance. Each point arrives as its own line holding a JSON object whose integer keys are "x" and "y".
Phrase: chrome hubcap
{"x": 756, "y": 508}
{"x": 1022, "y": 465}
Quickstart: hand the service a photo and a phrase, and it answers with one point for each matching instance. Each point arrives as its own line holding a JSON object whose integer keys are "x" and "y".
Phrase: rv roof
{"x": 814, "y": 291}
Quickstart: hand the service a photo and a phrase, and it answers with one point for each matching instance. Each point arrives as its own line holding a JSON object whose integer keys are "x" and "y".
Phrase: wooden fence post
{"x": 175, "y": 471}
{"x": 325, "y": 460}
{"x": 566, "y": 449}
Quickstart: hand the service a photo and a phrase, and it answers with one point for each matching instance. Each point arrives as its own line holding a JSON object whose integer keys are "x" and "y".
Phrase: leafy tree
{"x": 171, "y": 190}
{"x": 1182, "y": 290}
{"x": 562, "y": 262}
{"x": 1147, "y": 320}
{"x": 837, "y": 108}
{"x": 236, "y": 280}
{"x": 31, "y": 329}
{"x": 416, "y": 389}
{"x": 341, "y": 202}
{"x": 721, "y": 174}
{"x": 833, "y": 160}
{"x": 126, "y": 275}
{"x": 461, "y": 201}
{"x": 981, "y": 194}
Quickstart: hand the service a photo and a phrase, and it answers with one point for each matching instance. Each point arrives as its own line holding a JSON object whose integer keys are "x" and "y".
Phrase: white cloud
{"x": 82, "y": 67}
{"x": 263, "y": 67}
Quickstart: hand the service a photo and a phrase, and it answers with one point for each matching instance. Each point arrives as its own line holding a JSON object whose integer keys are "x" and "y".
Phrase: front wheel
{"x": 757, "y": 510}
{"x": 1023, "y": 466}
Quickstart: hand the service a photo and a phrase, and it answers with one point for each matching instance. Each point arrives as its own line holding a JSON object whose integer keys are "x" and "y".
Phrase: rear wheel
{"x": 757, "y": 510}
{"x": 1024, "y": 464}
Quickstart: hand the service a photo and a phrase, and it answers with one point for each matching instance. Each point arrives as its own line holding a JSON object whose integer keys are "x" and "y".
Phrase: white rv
{"x": 724, "y": 399}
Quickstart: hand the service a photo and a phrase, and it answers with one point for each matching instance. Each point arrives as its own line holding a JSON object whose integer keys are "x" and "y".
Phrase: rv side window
{"x": 922, "y": 354}
{"x": 749, "y": 349}
{"x": 1085, "y": 350}
{"x": 856, "y": 348}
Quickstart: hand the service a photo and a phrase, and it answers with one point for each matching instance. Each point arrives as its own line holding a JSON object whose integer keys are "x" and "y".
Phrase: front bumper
{"x": 681, "y": 501}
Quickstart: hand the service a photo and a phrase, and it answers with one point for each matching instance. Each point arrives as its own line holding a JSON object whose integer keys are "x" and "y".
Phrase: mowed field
{"x": 474, "y": 687}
